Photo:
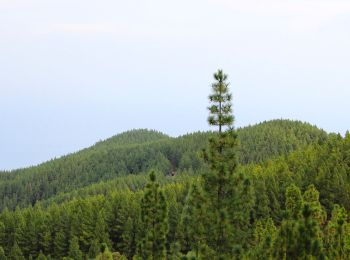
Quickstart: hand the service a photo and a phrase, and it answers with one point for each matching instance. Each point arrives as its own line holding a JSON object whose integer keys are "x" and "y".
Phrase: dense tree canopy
{"x": 276, "y": 190}
{"x": 138, "y": 151}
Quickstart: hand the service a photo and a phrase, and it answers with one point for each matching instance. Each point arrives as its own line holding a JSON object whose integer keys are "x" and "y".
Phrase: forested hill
{"x": 136, "y": 136}
{"x": 138, "y": 151}
{"x": 276, "y": 137}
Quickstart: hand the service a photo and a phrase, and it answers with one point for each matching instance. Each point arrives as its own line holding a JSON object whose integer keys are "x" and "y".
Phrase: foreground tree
{"x": 154, "y": 218}
{"x": 193, "y": 221}
{"x": 219, "y": 181}
{"x": 337, "y": 239}
{"x": 74, "y": 251}
{"x": 299, "y": 235}
{"x": 309, "y": 243}
{"x": 41, "y": 256}
{"x": 2, "y": 254}
{"x": 16, "y": 253}
{"x": 264, "y": 237}
{"x": 105, "y": 255}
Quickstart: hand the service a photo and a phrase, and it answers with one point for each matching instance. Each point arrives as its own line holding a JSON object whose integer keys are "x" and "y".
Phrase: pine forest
{"x": 279, "y": 189}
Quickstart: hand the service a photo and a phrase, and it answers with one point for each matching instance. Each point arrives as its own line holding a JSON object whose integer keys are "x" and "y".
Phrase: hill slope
{"x": 276, "y": 137}
{"x": 138, "y": 151}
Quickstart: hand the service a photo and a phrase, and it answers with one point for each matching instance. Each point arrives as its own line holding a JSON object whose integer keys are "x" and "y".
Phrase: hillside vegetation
{"x": 276, "y": 190}
{"x": 103, "y": 213}
{"x": 139, "y": 151}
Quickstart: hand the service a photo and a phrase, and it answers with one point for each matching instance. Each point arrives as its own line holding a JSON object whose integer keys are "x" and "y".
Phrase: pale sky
{"x": 73, "y": 72}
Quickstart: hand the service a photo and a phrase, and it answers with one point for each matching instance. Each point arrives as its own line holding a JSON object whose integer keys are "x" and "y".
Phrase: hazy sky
{"x": 73, "y": 72}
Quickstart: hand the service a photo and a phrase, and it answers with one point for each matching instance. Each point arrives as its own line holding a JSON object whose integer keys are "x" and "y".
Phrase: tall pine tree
{"x": 222, "y": 161}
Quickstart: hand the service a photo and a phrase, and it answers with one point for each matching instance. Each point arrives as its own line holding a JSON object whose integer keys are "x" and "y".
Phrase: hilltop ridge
{"x": 138, "y": 151}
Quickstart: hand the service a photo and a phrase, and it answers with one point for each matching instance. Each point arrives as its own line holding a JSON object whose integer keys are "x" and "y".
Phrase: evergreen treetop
{"x": 221, "y": 107}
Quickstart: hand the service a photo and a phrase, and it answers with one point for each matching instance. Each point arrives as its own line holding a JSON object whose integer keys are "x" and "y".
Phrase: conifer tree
{"x": 299, "y": 236}
{"x": 41, "y": 256}
{"x": 286, "y": 246}
{"x": 45, "y": 241}
{"x": 43, "y": 227}
{"x": 30, "y": 236}
{"x": 221, "y": 108}
{"x": 154, "y": 218}
{"x": 116, "y": 218}
{"x": 20, "y": 232}
{"x": 294, "y": 202}
{"x": 262, "y": 209}
{"x": 101, "y": 233}
{"x": 2, "y": 234}
{"x": 16, "y": 253}
{"x": 2, "y": 254}
{"x": 193, "y": 221}
{"x": 222, "y": 161}
{"x": 174, "y": 252}
{"x": 94, "y": 249}
{"x": 173, "y": 221}
{"x": 87, "y": 223}
{"x": 264, "y": 237}
{"x": 241, "y": 211}
{"x": 61, "y": 244}
{"x": 311, "y": 197}
{"x": 128, "y": 239}
{"x": 74, "y": 251}
{"x": 309, "y": 244}
{"x": 337, "y": 239}
{"x": 105, "y": 255}
{"x": 118, "y": 256}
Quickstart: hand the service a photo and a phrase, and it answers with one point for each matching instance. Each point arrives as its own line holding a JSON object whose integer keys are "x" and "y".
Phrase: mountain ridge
{"x": 138, "y": 151}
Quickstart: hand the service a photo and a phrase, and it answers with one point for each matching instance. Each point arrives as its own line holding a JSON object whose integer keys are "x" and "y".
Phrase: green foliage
{"x": 264, "y": 238}
{"x": 288, "y": 199}
{"x": 299, "y": 236}
{"x": 74, "y": 251}
{"x": 95, "y": 249}
{"x": 16, "y": 253}
{"x": 41, "y": 256}
{"x": 193, "y": 221}
{"x": 154, "y": 217}
{"x": 221, "y": 157}
{"x": 2, "y": 254}
{"x": 273, "y": 138}
{"x": 311, "y": 198}
{"x": 60, "y": 243}
{"x": 220, "y": 98}
{"x": 105, "y": 255}
{"x": 139, "y": 151}
{"x": 294, "y": 202}
{"x": 105, "y": 212}
{"x": 337, "y": 239}
{"x": 309, "y": 244}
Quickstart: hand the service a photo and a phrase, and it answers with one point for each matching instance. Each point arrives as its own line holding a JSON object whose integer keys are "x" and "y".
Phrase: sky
{"x": 73, "y": 72}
